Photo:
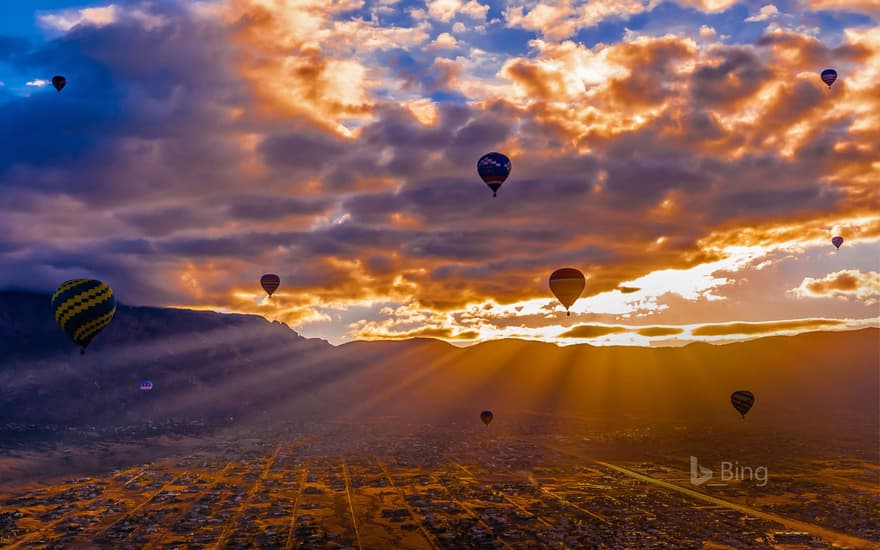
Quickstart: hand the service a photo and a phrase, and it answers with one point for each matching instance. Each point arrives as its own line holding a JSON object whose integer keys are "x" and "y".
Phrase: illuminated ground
{"x": 367, "y": 487}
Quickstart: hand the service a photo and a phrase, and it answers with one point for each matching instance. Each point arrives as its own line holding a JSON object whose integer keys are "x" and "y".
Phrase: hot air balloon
{"x": 837, "y": 241}
{"x": 567, "y": 284}
{"x": 829, "y": 76}
{"x": 59, "y": 82}
{"x": 493, "y": 168}
{"x": 270, "y": 283}
{"x": 742, "y": 401}
{"x": 486, "y": 417}
{"x": 83, "y": 307}
{"x": 146, "y": 385}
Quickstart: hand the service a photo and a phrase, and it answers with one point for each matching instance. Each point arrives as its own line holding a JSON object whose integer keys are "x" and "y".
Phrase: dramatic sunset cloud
{"x": 685, "y": 156}
{"x": 850, "y": 283}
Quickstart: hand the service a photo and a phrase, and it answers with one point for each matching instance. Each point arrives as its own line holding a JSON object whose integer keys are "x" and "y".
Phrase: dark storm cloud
{"x": 248, "y": 245}
{"x": 271, "y": 207}
{"x": 399, "y": 128}
{"x": 169, "y": 168}
{"x": 133, "y": 94}
{"x": 793, "y": 104}
{"x": 643, "y": 178}
{"x": 160, "y": 222}
{"x": 737, "y": 74}
{"x": 763, "y": 202}
{"x": 138, "y": 247}
{"x": 460, "y": 245}
{"x": 421, "y": 71}
{"x": 309, "y": 150}
{"x": 481, "y": 134}
{"x": 648, "y": 86}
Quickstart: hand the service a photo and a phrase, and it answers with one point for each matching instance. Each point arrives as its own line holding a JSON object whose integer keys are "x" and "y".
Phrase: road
{"x": 793, "y": 524}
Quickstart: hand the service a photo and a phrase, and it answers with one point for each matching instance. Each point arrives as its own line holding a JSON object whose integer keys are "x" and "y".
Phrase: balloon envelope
{"x": 742, "y": 401}
{"x": 83, "y": 307}
{"x": 829, "y": 76}
{"x": 59, "y": 82}
{"x": 837, "y": 241}
{"x": 486, "y": 417}
{"x": 270, "y": 283}
{"x": 567, "y": 284}
{"x": 146, "y": 385}
{"x": 493, "y": 168}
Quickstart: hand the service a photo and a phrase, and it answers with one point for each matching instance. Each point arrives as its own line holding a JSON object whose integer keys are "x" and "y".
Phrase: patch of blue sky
{"x": 19, "y": 17}
{"x": 448, "y": 96}
{"x": 668, "y": 18}
{"x": 500, "y": 40}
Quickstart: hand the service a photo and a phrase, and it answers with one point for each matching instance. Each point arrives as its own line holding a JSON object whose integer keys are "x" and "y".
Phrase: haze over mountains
{"x": 216, "y": 366}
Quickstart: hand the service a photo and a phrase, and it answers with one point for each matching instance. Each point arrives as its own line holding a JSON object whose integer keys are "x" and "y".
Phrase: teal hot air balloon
{"x": 742, "y": 401}
{"x": 83, "y": 308}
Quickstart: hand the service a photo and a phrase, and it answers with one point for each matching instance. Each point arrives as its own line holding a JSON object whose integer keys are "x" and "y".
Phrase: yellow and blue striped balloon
{"x": 83, "y": 307}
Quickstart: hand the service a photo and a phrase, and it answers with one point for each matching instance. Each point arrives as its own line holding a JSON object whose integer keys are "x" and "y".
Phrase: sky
{"x": 684, "y": 155}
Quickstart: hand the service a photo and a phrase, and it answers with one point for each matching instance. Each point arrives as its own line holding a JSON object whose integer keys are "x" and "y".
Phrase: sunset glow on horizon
{"x": 684, "y": 155}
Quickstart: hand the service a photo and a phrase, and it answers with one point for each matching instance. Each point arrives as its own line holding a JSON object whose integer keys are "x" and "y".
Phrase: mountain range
{"x": 218, "y": 366}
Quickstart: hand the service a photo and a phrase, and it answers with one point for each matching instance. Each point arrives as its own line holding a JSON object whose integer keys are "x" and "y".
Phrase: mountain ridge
{"x": 216, "y": 366}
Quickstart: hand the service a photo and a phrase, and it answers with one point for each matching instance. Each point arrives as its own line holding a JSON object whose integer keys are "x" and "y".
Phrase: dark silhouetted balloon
{"x": 59, "y": 82}
{"x": 837, "y": 241}
{"x": 83, "y": 307}
{"x": 742, "y": 401}
{"x": 494, "y": 168}
{"x": 567, "y": 284}
{"x": 829, "y": 76}
{"x": 270, "y": 283}
{"x": 146, "y": 385}
{"x": 486, "y": 417}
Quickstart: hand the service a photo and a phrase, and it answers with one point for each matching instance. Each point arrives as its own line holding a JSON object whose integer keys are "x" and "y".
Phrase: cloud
{"x": 660, "y": 331}
{"x": 766, "y": 13}
{"x": 868, "y": 7}
{"x": 563, "y": 19}
{"x": 37, "y": 83}
{"x": 596, "y": 331}
{"x": 847, "y": 283}
{"x": 766, "y": 328}
{"x": 65, "y": 20}
{"x": 198, "y": 148}
{"x": 444, "y": 333}
{"x": 445, "y": 40}
{"x": 446, "y": 10}
{"x": 591, "y": 331}
{"x": 709, "y": 6}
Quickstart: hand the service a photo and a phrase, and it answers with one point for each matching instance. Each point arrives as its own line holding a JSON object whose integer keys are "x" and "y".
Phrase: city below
{"x": 382, "y": 483}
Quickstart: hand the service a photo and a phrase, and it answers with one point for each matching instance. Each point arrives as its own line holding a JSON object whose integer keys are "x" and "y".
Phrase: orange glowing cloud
{"x": 848, "y": 283}
{"x": 591, "y": 331}
{"x": 765, "y": 328}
